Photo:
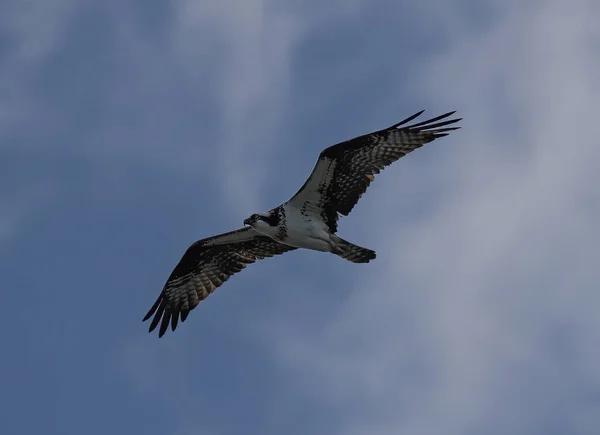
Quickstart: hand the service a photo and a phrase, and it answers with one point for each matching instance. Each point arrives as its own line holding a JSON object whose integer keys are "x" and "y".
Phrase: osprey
{"x": 308, "y": 220}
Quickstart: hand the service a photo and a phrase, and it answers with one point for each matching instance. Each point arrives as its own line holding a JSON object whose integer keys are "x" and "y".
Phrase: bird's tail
{"x": 351, "y": 252}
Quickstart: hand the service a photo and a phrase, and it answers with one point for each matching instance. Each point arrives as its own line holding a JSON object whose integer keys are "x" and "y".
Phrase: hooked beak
{"x": 247, "y": 221}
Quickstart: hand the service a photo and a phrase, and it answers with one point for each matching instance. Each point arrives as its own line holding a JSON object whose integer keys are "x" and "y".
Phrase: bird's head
{"x": 252, "y": 219}
{"x": 262, "y": 220}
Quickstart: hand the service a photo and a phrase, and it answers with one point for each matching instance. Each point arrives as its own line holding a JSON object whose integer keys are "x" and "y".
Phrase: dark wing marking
{"x": 345, "y": 170}
{"x": 206, "y": 265}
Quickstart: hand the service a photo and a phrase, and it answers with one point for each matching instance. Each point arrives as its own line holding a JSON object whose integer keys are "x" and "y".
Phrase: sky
{"x": 130, "y": 129}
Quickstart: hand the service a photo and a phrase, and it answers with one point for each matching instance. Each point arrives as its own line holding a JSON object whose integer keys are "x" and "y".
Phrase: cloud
{"x": 481, "y": 317}
{"x": 33, "y": 30}
{"x": 237, "y": 53}
{"x": 254, "y": 40}
{"x": 478, "y": 315}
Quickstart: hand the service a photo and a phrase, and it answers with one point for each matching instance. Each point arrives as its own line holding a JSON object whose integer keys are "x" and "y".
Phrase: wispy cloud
{"x": 32, "y": 31}
{"x": 146, "y": 122}
{"x": 481, "y": 318}
{"x": 254, "y": 40}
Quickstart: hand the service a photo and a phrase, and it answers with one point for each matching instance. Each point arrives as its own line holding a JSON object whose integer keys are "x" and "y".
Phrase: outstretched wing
{"x": 345, "y": 170}
{"x": 206, "y": 265}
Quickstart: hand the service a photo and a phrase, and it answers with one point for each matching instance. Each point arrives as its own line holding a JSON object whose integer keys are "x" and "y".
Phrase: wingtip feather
{"x": 152, "y": 309}
{"x": 159, "y": 313}
{"x": 164, "y": 325}
{"x": 432, "y": 123}
{"x": 174, "y": 320}
{"x": 410, "y": 118}
{"x": 427, "y": 124}
{"x": 184, "y": 314}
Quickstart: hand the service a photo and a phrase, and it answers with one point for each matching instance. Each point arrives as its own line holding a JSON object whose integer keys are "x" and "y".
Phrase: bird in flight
{"x": 308, "y": 220}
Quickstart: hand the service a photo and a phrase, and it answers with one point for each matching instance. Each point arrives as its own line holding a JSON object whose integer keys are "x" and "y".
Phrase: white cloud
{"x": 249, "y": 43}
{"x": 463, "y": 328}
{"x": 459, "y": 328}
{"x": 255, "y": 39}
{"x": 33, "y": 31}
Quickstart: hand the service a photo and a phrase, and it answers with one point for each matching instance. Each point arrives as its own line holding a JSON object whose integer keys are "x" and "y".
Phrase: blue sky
{"x": 128, "y": 130}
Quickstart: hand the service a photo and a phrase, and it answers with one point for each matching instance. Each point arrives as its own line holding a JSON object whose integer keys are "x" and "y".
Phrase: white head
{"x": 263, "y": 222}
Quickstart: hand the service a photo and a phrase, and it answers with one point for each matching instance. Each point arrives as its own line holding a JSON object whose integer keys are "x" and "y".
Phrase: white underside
{"x": 311, "y": 239}
{"x": 308, "y": 232}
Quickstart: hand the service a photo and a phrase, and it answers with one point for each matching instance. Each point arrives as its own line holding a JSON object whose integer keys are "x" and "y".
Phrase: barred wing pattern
{"x": 204, "y": 267}
{"x": 344, "y": 171}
